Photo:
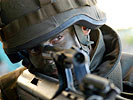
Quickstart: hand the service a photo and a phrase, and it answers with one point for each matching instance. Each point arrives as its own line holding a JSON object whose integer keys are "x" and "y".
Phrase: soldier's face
{"x": 64, "y": 40}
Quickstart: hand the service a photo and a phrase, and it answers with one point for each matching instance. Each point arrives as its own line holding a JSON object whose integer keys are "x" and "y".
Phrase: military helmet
{"x": 26, "y": 23}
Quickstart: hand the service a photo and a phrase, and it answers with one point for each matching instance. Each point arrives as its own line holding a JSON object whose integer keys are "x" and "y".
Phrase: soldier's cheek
{"x": 37, "y": 61}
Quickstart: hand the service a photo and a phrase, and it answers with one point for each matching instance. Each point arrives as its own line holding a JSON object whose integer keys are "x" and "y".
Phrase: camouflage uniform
{"x": 26, "y": 23}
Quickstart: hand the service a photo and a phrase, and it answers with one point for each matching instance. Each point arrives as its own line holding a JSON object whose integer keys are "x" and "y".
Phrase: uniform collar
{"x": 107, "y": 51}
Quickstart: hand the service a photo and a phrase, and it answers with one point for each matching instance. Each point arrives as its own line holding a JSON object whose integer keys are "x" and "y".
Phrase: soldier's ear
{"x": 85, "y": 30}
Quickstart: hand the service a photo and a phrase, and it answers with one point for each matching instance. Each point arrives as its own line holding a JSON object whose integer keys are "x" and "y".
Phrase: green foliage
{"x": 126, "y": 35}
{"x": 129, "y": 39}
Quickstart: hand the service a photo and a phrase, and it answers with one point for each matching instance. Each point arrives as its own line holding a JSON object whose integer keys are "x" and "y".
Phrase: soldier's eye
{"x": 57, "y": 39}
{"x": 85, "y": 30}
{"x": 35, "y": 51}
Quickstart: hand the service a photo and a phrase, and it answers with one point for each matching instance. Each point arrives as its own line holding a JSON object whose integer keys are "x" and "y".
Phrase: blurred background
{"x": 119, "y": 17}
{"x": 5, "y": 64}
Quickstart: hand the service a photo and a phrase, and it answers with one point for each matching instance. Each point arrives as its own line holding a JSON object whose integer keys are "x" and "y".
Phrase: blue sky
{"x": 6, "y": 60}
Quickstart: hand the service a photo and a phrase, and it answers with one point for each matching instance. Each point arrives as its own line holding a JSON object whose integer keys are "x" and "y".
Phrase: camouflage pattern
{"x": 43, "y": 20}
{"x": 8, "y": 86}
{"x": 25, "y": 26}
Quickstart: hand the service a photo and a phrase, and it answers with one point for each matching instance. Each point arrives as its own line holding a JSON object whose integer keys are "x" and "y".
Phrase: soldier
{"x": 29, "y": 25}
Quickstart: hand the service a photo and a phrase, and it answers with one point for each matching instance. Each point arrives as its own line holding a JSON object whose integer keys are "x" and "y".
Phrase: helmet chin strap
{"x": 82, "y": 40}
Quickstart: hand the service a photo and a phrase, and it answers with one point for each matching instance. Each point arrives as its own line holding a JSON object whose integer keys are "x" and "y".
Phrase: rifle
{"x": 75, "y": 82}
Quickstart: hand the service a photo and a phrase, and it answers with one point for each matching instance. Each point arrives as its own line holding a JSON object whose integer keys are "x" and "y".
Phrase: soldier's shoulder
{"x": 10, "y": 77}
{"x": 8, "y": 84}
